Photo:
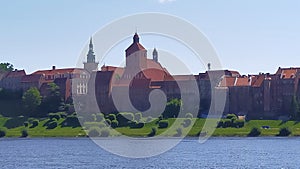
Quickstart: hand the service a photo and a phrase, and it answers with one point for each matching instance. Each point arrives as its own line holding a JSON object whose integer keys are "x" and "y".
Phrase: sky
{"x": 249, "y": 36}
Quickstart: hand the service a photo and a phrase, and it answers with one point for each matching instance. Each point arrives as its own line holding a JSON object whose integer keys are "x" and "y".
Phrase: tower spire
{"x": 155, "y": 55}
{"x": 91, "y": 55}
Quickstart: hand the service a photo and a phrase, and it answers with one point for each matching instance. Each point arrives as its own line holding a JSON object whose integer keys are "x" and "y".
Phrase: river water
{"x": 35, "y": 153}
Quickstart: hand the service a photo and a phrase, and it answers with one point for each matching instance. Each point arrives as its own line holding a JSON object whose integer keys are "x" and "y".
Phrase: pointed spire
{"x": 90, "y": 55}
{"x": 136, "y": 38}
{"x": 91, "y": 43}
{"x": 155, "y": 55}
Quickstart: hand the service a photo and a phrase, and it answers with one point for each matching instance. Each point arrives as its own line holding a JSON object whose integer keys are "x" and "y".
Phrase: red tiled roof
{"x": 31, "y": 78}
{"x": 16, "y": 73}
{"x": 287, "y": 73}
{"x": 59, "y": 71}
{"x": 243, "y": 81}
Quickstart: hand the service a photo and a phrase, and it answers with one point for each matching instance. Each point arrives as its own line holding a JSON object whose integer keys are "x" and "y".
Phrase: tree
{"x": 294, "y": 109}
{"x": 6, "y": 67}
{"x": 53, "y": 100}
{"x": 31, "y": 100}
{"x": 172, "y": 109}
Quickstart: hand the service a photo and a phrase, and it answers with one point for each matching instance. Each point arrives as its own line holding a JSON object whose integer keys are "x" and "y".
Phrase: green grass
{"x": 14, "y": 126}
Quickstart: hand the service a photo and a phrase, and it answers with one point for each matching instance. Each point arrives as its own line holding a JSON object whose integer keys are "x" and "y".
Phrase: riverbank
{"x": 13, "y": 127}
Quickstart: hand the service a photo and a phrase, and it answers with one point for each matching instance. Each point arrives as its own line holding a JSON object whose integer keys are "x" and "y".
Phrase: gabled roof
{"x": 287, "y": 73}
{"x": 135, "y": 46}
{"x": 59, "y": 71}
{"x": 32, "y": 78}
{"x": 16, "y": 73}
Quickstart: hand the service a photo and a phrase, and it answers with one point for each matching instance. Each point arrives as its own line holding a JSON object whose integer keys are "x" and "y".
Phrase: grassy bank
{"x": 14, "y": 126}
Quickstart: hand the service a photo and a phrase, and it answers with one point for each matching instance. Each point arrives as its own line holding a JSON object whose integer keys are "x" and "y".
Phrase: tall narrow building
{"x": 91, "y": 64}
{"x": 155, "y": 55}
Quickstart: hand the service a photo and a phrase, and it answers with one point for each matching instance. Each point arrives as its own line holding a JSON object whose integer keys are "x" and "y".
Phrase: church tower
{"x": 155, "y": 55}
{"x": 136, "y": 55}
{"x": 91, "y": 63}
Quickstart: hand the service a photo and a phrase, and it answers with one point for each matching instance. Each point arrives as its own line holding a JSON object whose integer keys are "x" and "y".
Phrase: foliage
{"x": 51, "y": 125}
{"x": 163, "y": 124}
{"x": 231, "y": 117}
{"x": 2, "y": 132}
{"x": 114, "y": 124}
{"x": 124, "y": 117}
{"x": 178, "y": 132}
{"x": 149, "y": 119}
{"x": 54, "y": 116}
{"x": 31, "y": 100}
{"x": 99, "y": 117}
{"x": 108, "y": 122}
{"x": 189, "y": 115}
{"x": 153, "y": 132}
{"x": 105, "y": 132}
{"x": 254, "y": 132}
{"x": 284, "y": 132}
{"x": 295, "y": 109}
{"x": 136, "y": 125}
{"x": 34, "y": 123}
{"x": 94, "y": 132}
{"x": 138, "y": 116}
{"x": 111, "y": 117}
{"x": 187, "y": 122}
{"x": 53, "y": 100}
{"x": 71, "y": 121}
{"x": 24, "y": 133}
{"x": 26, "y": 124}
{"x": 6, "y": 67}
{"x": 239, "y": 123}
{"x": 172, "y": 109}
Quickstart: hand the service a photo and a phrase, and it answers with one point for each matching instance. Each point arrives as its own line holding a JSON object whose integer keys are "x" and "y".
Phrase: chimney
{"x": 53, "y": 67}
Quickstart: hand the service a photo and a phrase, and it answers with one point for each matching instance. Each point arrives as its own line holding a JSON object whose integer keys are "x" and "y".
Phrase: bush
{"x": 114, "y": 124}
{"x": 254, "y": 132}
{"x": 149, "y": 119}
{"x": 227, "y": 123}
{"x": 2, "y": 132}
{"x": 24, "y": 133}
{"x": 239, "y": 123}
{"x": 99, "y": 117}
{"x": 26, "y": 123}
{"x": 105, "y": 132}
{"x": 54, "y": 116}
{"x": 94, "y": 124}
{"x": 178, "y": 132}
{"x": 163, "y": 124}
{"x": 187, "y": 122}
{"x": 71, "y": 121}
{"x": 124, "y": 118}
{"x": 34, "y": 123}
{"x": 220, "y": 124}
{"x": 284, "y": 132}
{"x": 138, "y": 116}
{"x": 153, "y": 132}
{"x": 231, "y": 116}
{"x": 52, "y": 124}
{"x": 111, "y": 117}
{"x": 136, "y": 125}
{"x": 108, "y": 122}
{"x": 94, "y": 132}
{"x": 189, "y": 115}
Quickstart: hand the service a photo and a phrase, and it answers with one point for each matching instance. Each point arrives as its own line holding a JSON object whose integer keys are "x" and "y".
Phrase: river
{"x": 80, "y": 153}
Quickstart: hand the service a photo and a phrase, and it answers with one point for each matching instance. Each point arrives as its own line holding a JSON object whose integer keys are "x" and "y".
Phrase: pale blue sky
{"x": 249, "y": 36}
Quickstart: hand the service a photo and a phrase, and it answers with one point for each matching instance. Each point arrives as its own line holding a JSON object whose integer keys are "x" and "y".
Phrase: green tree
{"x": 172, "y": 109}
{"x": 53, "y": 101}
{"x": 6, "y": 67}
{"x": 294, "y": 109}
{"x": 31, "y": 100}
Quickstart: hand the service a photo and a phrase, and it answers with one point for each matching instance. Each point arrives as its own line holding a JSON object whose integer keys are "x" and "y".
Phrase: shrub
{"x": 284, "y": 132}
{"x": 71, "y": 121}
{"x": 99, "y": 117}
{"x": 220, "y": 124}
{"x": 54, "y": 116}
{"x": 254, "y": 132}
{"x": 114, "y": 124}
{"x": 138, "y": 116}
{"x": 52, "y": 124}
{"x": 94, "y": 132}
{"x": 136, "y": 125}
{"x": 105, "y": 132}
{"x": 153, "y": 132}
{"x": 178, "y": 132}
{"x": 231, "y": 116}
{"x": 24, "y": 133}
{"x": 163, "y": 124}
{"x": 227, "y": 123}
{"x": 189, "y": 115}
{"x": 111, "y": 117}
{"x": 108, "y": 122}
{"x": 187, "y": 122}
{"x": 149, "y": 119}
{"x": 94, "y": 124}
{"x": 2, "y": 132}
{"x": 26, "y": 123}
{"x": 124, "y": 118}
{"x": 239, "y": 123}
{"x": 34, "y": 123}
